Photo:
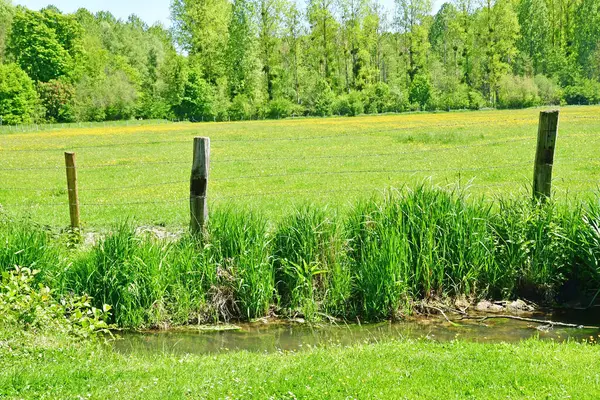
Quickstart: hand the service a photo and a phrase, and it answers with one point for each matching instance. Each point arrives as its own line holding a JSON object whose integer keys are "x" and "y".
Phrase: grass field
{"x": 396, "y": 370}
{"x": 142, "y": 171}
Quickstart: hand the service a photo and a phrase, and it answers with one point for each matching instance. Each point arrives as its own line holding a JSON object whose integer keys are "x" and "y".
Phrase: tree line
{"x": 244, "y": 59}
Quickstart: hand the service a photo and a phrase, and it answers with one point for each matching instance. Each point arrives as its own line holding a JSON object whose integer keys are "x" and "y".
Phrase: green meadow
{"x": 140, "y": 170}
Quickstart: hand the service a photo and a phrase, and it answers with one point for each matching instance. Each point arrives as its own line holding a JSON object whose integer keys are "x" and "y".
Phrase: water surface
{"x": 273, "y": 337}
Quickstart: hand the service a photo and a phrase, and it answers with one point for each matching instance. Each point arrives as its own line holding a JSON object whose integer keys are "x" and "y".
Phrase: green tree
{"x": 410, "y": 20}
{"x": 6, "y": 16}
{"x": 36, "y": 47}
{"x": 57, "y": 98}
{"x": 270, "y": 19}
{"x": 18, "y": 98}
{"x": 198, "y": 99}
{"x": 323, "y": 28}
{"x": 420, "y": 91}
{"x": 291, "y": 48}
{"x": 242, "y": 61}
{"x": 201, "y": 27}
{"x": 534, "y": 40}
{"x": 497, "y": 33}
{"x": 587, "y": 37}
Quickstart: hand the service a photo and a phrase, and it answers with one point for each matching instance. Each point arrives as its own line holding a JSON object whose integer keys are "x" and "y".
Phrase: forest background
{"x": 247, "y": 59}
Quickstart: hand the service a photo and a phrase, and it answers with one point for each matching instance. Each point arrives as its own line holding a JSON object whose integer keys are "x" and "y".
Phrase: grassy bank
{"x": 273, "y": 166}
{"x": 368, "y": 263}
{"x": 398, "y": 370}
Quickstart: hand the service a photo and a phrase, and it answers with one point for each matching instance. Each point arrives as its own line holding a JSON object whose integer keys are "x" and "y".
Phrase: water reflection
{"x": 273, "y": 337}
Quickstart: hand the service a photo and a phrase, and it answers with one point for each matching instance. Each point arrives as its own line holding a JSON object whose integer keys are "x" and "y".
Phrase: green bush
{"x": 323, "y": 100}
{"x": 549, "y": 91}
{"x": 241, "y": 108}
{"x": 57, "y": 98}
{"x": 31, "y": 308}
{"x": 350, "y": 105}
{"x": 476, "y": 100}
{"x": 282, "y": 108}
{"x": 420, "y": 92}
{"x": 377, "y": 98}
{"x": 585, "y": 91}
{"x": 517, "y": 92}
{"x": 18, "y": 98}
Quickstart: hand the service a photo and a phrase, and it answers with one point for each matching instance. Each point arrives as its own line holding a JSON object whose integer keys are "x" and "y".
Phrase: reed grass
{"x": 368, "y": 263}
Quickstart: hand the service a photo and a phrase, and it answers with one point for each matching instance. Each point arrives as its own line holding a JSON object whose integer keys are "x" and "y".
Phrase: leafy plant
{"x": 25, "y": 305}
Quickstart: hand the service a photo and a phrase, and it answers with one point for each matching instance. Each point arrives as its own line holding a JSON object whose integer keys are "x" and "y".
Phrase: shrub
{"x": 377, "y": 98}
{"x": 476, "y": 100}
{"x": 420, "y": 91}
{"x": 517, "y": 92}
{"x": 549, "y": 91}
{"x": 18, "y": 98}
{"x": 111, "y": 97}
{"x": 282, "y": 108}
{"x": 25, "y": 306}
{"x": 398, "y": 100}
{"x": 456, "y": 99}
{"x": 350, "y": 104}
{"x": 584, "y": 91}
{"x": 57, "y": 99}
{"x": 323, "y": 100}
{"x": 341, "y": 105}
{"x": 241, "y": 108}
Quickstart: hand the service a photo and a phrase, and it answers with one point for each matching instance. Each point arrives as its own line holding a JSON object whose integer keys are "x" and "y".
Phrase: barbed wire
{"x": 262, "y": 159}
{"x": 258, "y": 139}
{"x": 366, "y": 171}
{"x": 102, "y": 204}
{"x": 92, "y": 189}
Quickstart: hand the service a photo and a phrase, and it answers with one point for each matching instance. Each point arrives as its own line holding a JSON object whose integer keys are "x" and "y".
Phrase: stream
{"x": 281, "y": 336}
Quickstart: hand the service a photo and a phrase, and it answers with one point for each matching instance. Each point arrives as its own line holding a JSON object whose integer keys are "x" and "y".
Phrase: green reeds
{"x": 368, "y": 264}
{"x": 311, "y": 264}
{"x": 25, "y": 244}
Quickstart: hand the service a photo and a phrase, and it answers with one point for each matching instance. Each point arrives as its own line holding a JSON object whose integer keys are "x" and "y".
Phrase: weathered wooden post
{"x": 72, "y": 189}
{"x": 544, "y": 156}
{"x": 199, "y": 184}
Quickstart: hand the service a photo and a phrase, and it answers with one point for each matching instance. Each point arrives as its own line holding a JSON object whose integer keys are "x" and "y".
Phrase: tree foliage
{"x": 244, "y": 59}
{"x": 18, "y": 98}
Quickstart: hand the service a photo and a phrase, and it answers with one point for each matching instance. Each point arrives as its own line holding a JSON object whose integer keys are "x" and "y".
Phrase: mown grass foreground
{"x": 395, "y": 370}
{"x": 143, "y": 171}
{"x": 367, "y": 264}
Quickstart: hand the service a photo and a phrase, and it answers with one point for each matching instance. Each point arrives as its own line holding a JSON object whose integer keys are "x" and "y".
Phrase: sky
{"x": 150, "y": 11}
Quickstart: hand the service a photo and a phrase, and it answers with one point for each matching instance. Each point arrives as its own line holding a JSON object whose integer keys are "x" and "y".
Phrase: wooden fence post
{"x": 72, "y": 188}
{"x": 199, "y": 184}
{"x": 544, "y": 156}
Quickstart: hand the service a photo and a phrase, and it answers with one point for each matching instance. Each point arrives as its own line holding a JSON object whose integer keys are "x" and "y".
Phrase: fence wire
{"x": 559, "y": 182}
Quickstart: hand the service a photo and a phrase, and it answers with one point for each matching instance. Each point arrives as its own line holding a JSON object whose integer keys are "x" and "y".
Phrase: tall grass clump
{"x": 123, "y": 270}
{"x": 25, "y": 244}
{"x": 188, "y": 278}
{"x": 239, "y": 248}
{"x": 416, "y": 244}
{"x": 547, "y": 250}
{"x": 586, "y": 272}
{"x": 311, "y": 269}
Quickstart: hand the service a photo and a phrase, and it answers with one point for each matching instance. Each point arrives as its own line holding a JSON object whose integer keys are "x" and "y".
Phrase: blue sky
{"x": 149, "y": 11}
